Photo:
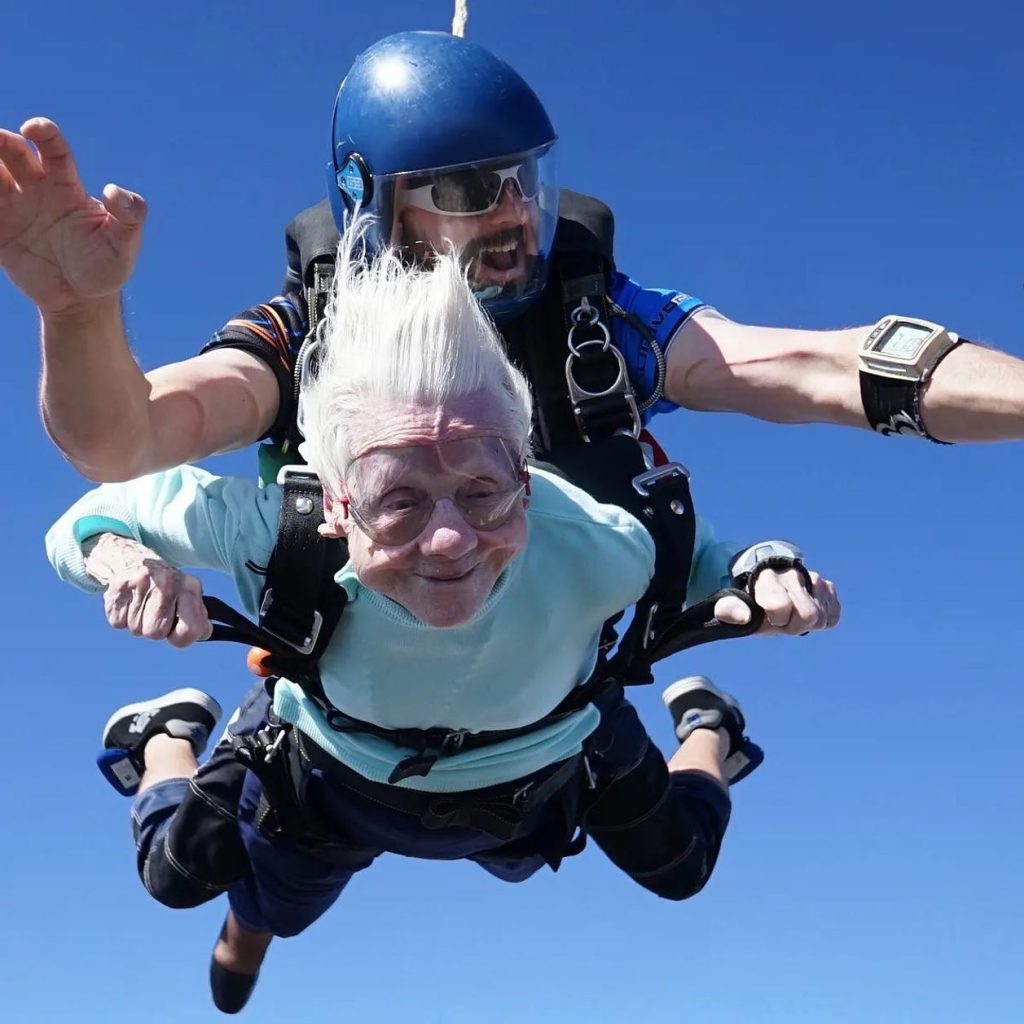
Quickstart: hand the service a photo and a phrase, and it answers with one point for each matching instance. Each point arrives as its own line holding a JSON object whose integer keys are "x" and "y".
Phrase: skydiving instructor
{"x": 474, "y": 164}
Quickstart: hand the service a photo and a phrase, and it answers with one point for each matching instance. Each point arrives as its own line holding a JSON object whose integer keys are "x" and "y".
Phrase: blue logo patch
{"x": 351, "y": 181}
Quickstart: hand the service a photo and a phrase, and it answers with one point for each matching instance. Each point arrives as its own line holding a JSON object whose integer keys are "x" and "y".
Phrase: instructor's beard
{"x": 498, "y": 262}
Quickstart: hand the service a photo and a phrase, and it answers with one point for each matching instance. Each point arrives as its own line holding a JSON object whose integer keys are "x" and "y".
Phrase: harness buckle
{"x": 305, "y": 646}
{"x": 643, "y": 481}
{"x": 421, "y": 763}
{"x": 275, "y": 747}
{"x": 583, "y": 317}
{"x": 649, "y": 631}
{"x": 295, "y": 470}
{"x": 452, "y": 742}
{"x": 520, "y": 797}
{"x": 418, "y": 764}
{"x": 620, "y": 386}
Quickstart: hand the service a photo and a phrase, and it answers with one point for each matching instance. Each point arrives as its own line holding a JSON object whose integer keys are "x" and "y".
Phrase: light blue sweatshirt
{"x": 535, "y": 638}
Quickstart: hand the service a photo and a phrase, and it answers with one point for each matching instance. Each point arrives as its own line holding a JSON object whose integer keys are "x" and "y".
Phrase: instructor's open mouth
{"x": 500, "y": 259}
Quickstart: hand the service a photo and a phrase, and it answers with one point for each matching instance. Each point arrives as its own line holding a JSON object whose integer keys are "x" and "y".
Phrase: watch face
{"x": 903, "y": 341}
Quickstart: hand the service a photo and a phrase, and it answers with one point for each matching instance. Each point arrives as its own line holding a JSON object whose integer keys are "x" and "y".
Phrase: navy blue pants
{"x": 197, "y": 838}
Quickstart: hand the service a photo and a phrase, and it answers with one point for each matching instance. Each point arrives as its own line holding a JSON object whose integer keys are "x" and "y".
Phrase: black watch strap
{"x": 894, "y": 406}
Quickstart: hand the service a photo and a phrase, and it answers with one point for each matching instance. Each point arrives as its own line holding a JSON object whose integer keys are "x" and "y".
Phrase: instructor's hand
{"x": 58, "y": 244}
{"x": 789, "y": 610}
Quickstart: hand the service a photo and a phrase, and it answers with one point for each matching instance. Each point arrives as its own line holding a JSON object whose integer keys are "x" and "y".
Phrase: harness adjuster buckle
{"x": 636, "y": 424}
{"x": 274, "y": 748}
{"x": 305, "y": 646}
{"x": 642, "y": 482}
{"x": 417, "y": 764}
{"x": 620, "y": 386}
{"x": 452, "y": 742}
{"x": 298, "y": 471}
{"x": 521, "y": 797}
{"x": 650, "y": 633}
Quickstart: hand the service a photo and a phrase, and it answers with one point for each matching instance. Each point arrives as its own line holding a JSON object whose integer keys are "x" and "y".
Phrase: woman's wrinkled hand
{"x": 789, "y": 608}
{"x": 146, "y": 595}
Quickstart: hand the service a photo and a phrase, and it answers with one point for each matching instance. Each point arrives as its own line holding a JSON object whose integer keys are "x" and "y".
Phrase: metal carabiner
{"x": 620, "y": 386}
{"x": 274, "y": 749}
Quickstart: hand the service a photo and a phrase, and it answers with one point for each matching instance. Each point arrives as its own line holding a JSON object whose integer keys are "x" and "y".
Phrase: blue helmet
{"x": 441, "y": 141}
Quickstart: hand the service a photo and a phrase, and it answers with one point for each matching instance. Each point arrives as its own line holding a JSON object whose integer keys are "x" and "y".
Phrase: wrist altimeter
{"x": 896, "y": 359}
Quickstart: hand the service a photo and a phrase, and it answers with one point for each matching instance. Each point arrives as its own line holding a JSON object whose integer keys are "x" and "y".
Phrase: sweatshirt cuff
{"x": 93, "y": 526}
{"x": 65, "y": 538}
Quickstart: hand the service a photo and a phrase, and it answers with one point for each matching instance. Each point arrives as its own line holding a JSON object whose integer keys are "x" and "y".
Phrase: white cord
{"x": 460, "y": 18}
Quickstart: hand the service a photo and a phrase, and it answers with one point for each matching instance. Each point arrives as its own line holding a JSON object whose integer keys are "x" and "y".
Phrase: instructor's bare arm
{"x": 113, "y": 422}
{"x": 793, "y": 376}
{"x": 71, "y": 253}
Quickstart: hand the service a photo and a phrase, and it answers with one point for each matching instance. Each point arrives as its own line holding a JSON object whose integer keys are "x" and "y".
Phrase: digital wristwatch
{"x": 896, "y": 359}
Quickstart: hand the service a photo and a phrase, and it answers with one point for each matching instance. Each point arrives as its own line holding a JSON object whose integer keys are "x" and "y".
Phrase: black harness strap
{"x": 301, "y": 604}
{"x": 579, "y": 379}
{"x": 596, "y": 379}
{"x": 497, "y": 810}
{"x": 615, "y": 472}
{"x": 290, "y": 603}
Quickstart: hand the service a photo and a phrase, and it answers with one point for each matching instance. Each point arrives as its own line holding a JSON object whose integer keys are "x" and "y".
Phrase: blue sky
{"x": 796, "y": 164}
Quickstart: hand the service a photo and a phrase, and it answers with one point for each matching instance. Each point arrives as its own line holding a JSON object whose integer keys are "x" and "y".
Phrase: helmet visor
{"x": 500, "y": 215}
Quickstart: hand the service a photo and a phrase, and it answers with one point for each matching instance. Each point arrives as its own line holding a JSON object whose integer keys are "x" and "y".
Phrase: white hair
{"x": 398, "y": 334}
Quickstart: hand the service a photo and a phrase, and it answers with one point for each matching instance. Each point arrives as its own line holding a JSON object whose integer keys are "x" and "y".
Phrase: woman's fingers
{"x": 192, "y": 623}
{"x": 158, "y": 602}
{"x": 788, "y": 606}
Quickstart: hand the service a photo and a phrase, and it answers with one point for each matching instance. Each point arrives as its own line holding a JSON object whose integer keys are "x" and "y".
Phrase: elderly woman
{"x": 477, "y": 590}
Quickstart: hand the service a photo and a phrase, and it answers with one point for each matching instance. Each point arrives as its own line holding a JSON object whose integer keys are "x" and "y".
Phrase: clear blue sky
{"x": 799, "y": 164}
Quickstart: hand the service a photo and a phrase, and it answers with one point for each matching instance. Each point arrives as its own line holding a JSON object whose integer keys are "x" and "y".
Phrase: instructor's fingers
{"x": 127, "y": 208}
{"x": 8, "y": 186}
{"x": 20, "y": 159}
{"x": 54, "y": 152}
{"x": 7, "y": 183}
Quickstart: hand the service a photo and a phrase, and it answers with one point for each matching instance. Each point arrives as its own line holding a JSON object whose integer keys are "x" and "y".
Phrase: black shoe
{"x": 184, "y": 714}
{"x": 230, "y": 989}
{"x": 695, "y": 704}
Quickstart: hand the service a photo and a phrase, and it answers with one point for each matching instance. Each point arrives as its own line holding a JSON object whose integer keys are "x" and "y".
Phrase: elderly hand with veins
{"x": 144, "y": 594}
{"x": 789, "y": 608}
